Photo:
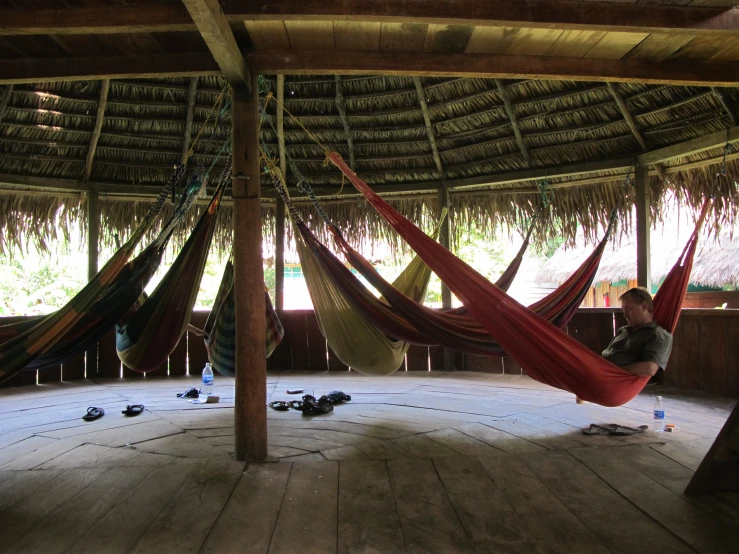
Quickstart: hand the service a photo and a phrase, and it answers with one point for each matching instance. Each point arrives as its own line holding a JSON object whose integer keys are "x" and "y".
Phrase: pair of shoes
{"x": 313, "y": 406}
{"x": 189, "y": 393}
{"x": 279, "y": 405}
{"x": 337, "y": 397}
{"x": 133, "y": 410}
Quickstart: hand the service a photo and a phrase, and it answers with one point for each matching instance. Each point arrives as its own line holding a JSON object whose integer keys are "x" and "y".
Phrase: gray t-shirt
{"x": 648, "y": 343}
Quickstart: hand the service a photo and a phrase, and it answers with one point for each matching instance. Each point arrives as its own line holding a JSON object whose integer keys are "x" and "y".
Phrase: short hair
{"x": 640, "y": 295}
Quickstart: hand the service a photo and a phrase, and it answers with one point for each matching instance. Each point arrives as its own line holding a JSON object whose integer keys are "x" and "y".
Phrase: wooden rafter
{"x": 693, "y": 146}
{"x": 215, "y": 30}
{"x": 725, "y": 103}
{"x": 429, "y": 127}
{"x": 192, "y": 93}
{"x": 112, "y": 67}
{"x": 104, "y": 88}
{"x": 541, "y": 14}
{"x": 4, "y": 99}
{"x": 341, "y": 105}
{"x": 514, "y": 122}
{"x": 633, "y": 126}
{"x": 493, "y": 66}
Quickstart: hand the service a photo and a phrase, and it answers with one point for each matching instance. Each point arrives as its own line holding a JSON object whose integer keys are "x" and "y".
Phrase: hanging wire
{"x": 546, "y": 193}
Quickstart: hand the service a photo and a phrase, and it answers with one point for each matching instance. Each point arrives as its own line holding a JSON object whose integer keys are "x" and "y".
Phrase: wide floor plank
{"x": 248, "y": 520}
{"x": 119, "y": 530}
{"x": 427, "y": 517}
{"x": 308, "y": 517}
{"x": 368, "y": 519}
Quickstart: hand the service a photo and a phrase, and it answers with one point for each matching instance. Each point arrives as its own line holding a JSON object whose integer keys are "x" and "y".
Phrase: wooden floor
{"x": 416, "y": 462}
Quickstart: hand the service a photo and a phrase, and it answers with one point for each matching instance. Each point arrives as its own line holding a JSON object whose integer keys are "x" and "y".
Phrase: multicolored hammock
{"x": 546, "y": 353}
{"x": 363, "y": 330}
{"x": 65, "y": 333}
{"x": 148, "y": 335}
{"x": 220, "y": 327}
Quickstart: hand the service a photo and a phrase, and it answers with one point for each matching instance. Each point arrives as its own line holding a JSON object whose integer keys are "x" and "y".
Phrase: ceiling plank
{"x": 481, "y": 65}
{"x": 113, "y": 67}
{"x": 215, "y": 30}
{"x": 537, "y": 14}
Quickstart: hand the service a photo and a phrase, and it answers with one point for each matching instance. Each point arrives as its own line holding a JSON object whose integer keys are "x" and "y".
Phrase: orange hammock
{"x": 545, "y": 352}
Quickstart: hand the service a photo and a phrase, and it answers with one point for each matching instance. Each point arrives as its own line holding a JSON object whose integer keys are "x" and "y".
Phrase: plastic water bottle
{"x": 208, "y": 381}
{"x": 659, "y": 415}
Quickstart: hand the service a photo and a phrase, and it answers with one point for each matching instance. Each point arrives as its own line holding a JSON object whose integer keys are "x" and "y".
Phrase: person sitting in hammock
{"x": 642, "y": 347}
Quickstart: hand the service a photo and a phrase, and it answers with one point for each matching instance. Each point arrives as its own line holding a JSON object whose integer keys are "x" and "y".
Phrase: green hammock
{"x": 220, "y": 327}
{"x": 66, "y": 332}
{"x": 152, "y": 331}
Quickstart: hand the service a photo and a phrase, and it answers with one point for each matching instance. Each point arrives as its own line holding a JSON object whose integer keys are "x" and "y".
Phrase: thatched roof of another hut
{"x": 716, "y": 263}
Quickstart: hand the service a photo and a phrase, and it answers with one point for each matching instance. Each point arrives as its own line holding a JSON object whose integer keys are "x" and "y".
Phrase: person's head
{"x": 637, "y": 306}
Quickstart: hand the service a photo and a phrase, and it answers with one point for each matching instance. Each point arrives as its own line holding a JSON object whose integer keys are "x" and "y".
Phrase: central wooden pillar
{"x": 643, "y": 223}
{"x": 446, "y": 294}
{"x": 280, "y": 208}
{"x": 250, "y": 411}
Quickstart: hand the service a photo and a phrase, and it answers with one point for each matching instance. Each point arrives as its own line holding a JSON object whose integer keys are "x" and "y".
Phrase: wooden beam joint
{"x": 429, "y": 126}
{"x": 503, "y": 93}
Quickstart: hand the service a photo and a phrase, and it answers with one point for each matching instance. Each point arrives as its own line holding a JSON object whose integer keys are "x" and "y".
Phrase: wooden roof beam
{"x": 725, "y": 103}
{"x": 676, "y": 72}
{"x": 514, "y": 123}
{"x": 541, "y": 14}
{"x": 4, "y": 99}
{"x": 624, "y": 109}
{"x": 110, "y": 67}
{"x": 693, "y": 146}
{"x": 104, "y": 88}
{"x": 214, "y": 28}
{"x": 341, "y": 105}
{"x": 429, "y": 127}
{"x": 192, "y": 93}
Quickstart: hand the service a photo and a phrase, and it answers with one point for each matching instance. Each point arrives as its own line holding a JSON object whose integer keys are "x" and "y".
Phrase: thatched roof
{"x": 46, "y": 129}
{"x": 716, "y": 263}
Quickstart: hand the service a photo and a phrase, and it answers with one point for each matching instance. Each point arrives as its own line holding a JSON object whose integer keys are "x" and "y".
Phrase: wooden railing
{"x": 705, "y": 354}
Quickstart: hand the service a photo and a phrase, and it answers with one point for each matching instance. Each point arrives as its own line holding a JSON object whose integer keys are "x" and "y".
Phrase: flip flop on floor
{"x": 189, "y": 393}
{"x": 613, "y": 429}
{"x": 133, "y": 410}
{"x": 337, "y": 397}
{"x": 93, "y": 413}
{"x": 279, "y": 405}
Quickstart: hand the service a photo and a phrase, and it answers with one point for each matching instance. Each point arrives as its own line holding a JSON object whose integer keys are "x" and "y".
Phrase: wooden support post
{"x": 341, "y": 105}
{"x": 250, "y": 411}
{"x": 4, "y": 99}
{"x": 93, "y": 233}
{"x": 192, "y": 94}
{"x": 446, "y": 294}
{"x": 514, "y": 121}
{"x": 104, "y": 88}
{"x": 643, "y": 224}
{"x": 280, "y": 207}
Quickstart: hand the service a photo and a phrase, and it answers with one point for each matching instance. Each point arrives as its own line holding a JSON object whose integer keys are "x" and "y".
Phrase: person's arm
{"x": 642, "y": 369}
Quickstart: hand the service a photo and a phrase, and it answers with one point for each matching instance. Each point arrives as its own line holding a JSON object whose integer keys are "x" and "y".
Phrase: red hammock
{"x": 546, "y": 353}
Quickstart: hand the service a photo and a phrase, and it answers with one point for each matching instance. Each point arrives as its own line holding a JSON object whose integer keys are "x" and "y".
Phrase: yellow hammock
{"x": 356, "y": 341}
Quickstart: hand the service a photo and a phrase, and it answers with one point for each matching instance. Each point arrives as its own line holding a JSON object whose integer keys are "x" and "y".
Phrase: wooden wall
{"x": 709, "y": 300}
{"x": 705, "y": 354}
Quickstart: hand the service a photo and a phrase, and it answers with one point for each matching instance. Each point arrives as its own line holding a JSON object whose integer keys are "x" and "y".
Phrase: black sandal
{"x": 311, "y": 406}
{"x": 93, "y": 413}
{"x": 337, "y": 397}
{"x": 296, "y": 405}
{"x": 279, "y": 405}
{"x": 189, "y": 393}
{"x": 133, "y": 410}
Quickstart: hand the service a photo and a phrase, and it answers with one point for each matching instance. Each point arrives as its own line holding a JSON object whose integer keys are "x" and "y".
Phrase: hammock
{"x": 150, "y": 334}
{"x": 546, "y": 353}
{"x": 220, "y": 327}
{"x": 363, "y": 330}
{"x": 25, "y": 343}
